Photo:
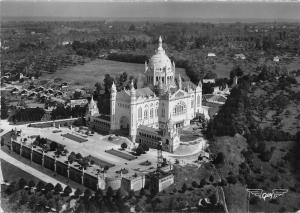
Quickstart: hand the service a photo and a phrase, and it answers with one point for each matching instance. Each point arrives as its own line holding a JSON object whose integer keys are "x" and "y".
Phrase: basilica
{"x": 153, "y": 114}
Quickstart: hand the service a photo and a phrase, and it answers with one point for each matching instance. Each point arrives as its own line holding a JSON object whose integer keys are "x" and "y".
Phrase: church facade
{"x": 153, "y": 114}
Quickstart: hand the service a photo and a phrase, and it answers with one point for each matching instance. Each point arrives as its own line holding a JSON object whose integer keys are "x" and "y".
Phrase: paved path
{"x": 44, "y": 177}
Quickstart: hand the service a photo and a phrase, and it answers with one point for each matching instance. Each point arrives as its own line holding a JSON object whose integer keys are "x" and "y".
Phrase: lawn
{"x": 12, "y": 173}
{"x": 94, "y": 71}
{"x": 101, "y": 163}
{"x": 121, "y": 154}
{"x": 74, "y": 138}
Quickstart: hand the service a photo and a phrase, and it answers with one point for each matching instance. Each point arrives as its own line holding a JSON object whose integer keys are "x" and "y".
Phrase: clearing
{"x": 94, "y": 71}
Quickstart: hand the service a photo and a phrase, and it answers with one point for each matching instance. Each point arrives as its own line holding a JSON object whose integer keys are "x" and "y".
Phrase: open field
{"x": 88, "y": 74}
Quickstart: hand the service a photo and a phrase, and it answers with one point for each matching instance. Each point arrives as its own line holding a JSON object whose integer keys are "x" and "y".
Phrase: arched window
{"x": 192, "y": 103}
{"x": 156, "y": 112}
{"x": 179, "y": 109}
{"x": 163, "y": 112}
{"x": 198, "y": 100}
{"x": 151, "y": 113}
{"x": 146, "y": 114}
{"x": 140, "y": 113}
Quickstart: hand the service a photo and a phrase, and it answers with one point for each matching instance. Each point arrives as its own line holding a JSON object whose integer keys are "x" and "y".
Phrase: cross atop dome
{"x": 160, "y": 44}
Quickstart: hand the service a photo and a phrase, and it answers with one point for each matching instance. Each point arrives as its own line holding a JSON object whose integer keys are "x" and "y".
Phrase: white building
{"x": 153, "y": 113}
{"x": 211, "y": 55}
{"x": 239, "y": 56}
{"x": 276, "y": 59}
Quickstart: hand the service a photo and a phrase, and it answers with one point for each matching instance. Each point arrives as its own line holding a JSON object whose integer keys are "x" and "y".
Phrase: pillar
{"x": 43, "y": 159}
{"x": 68, "y": 170}
{"x": 55, "y": 164}
{"x": 21, "y": 148}
{"x": 31, "y": 153}
{"x": 82, "y": 176}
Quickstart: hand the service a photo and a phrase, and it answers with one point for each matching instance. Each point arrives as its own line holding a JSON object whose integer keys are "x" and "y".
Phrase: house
{"x": 239, "y": 56}
{"x": 78, "y": 102}
{"x": 64, "y": 43}
{"x": 211, "y": 55}
{"x": 206, "y": 81}
{"x": 276, "y": 59}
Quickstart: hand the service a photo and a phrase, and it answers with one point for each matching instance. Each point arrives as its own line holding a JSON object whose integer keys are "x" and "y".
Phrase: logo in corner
{"x": 264, "y": 195}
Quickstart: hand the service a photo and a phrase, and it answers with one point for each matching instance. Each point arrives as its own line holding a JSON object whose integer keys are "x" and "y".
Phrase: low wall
{"x": 26, "y": 152}
{"x": 90, "y": 181}
{"x": 37, "y": 157}
{"x": 63, "y": 122}
{"x": 61, "y": 168}
{"x": 49, "y": 162}
{"x": 75, "y": 175}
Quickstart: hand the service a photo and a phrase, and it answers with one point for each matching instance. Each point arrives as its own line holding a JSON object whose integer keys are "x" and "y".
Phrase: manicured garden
{"x": 74, "y": 138}
{"x": 121, "y": 154}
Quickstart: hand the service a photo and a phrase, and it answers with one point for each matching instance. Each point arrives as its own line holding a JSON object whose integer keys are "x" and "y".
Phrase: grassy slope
{"x": 232, "y": 146}
{"x": 277, "y": 173}
{"x": 12, "y": 173}
{"x": 88, "y": 74}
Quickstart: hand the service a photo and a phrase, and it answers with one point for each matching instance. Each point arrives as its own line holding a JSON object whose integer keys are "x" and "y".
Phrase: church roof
{"x": 144, "y": 92}
{"x": 187, "y": 84}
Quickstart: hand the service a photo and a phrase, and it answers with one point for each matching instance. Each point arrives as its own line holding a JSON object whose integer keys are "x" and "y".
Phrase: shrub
{"x": 78, "y": 192}
{"x": 67, "y": 190}
{"x": 31, "y": 184}
{"x": 231, "y": 179}
{"x": 49, "y": 187}
{"x": 194, "y": 184}
{"x": 183, "y": 188}
{"x": 22, "y": 183}
{"x": 58, "y": 188}
{"x": 124, "y": 145}
{"x": 219, "y": 160}
{"x": 40, "y": 185}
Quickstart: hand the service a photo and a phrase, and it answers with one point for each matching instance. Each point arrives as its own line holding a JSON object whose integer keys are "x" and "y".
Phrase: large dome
{"x": 160, "y": 60}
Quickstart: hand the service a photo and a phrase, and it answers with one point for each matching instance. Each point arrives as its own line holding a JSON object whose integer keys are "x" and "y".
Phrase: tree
{"x": 67, "y": 190}
{"x": 132, "y": 27}
{"x": 31, "y": 184}
{"x": 220, "y": 159}
{"x": 49, "y": 187}
{"x": 124, "y": 145}
{"x": 53, "y": 146}
{"x": 32, "y": 201}
{"x": 213, "y": 199}
{"x": 11, "y": 188}
{"x": 78, "y": 192}
{"x": 84, "y": 162}
{"x": 4, "y": 108}
{"x": 24, "y": 198}
{"x": 109, "y": 192}
{"x": 22, "y": 183}
{"x": 58, "y": 188}
{"x": 40, "y": 185}
{"x": 139, "y": 150}
{"x": 78, "y": 156}
{"x": 87, "y": 194}
{"x": 72, "y": 157}
{"x": 183, "y": 188}
{"x": 194, "y": 184}
{"x": 142, "y": 192}
{"x": 108, "y": 81}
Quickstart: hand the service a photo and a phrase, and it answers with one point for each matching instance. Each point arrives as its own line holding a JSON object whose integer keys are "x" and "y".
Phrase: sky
{"x": 153, "y": 9}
